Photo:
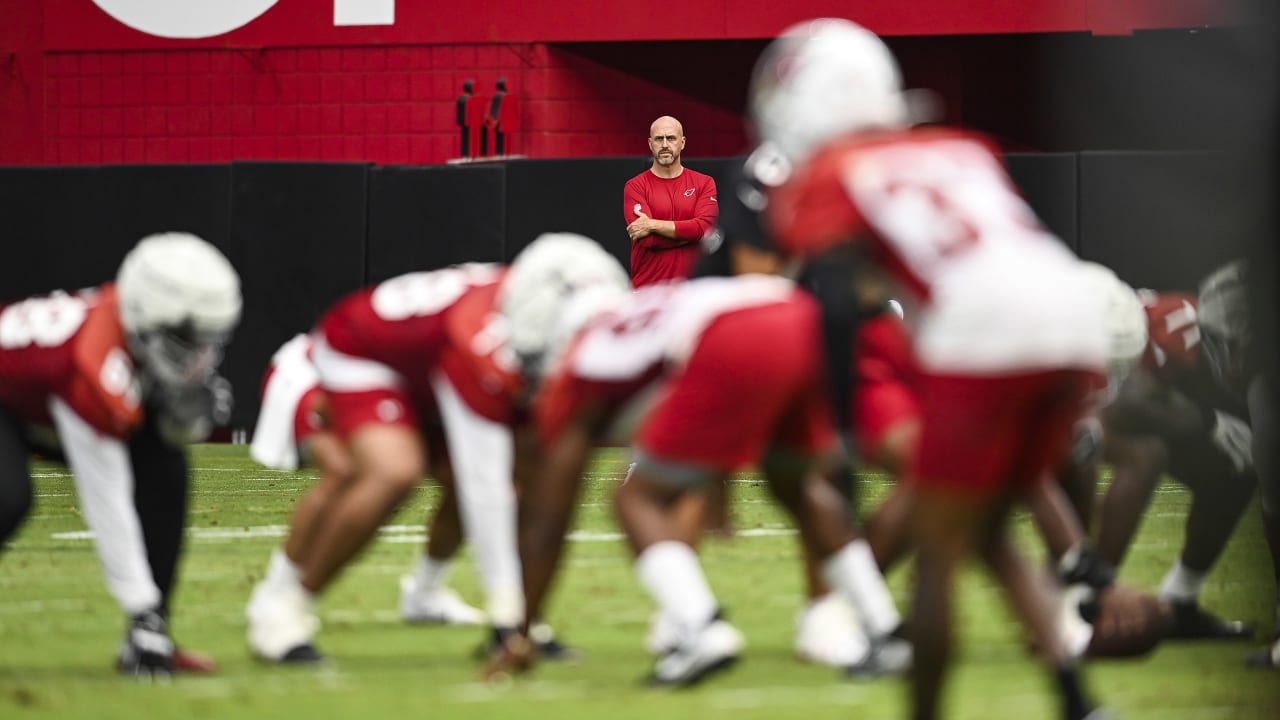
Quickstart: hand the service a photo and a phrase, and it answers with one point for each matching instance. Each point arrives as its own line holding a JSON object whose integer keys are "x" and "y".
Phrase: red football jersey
{"x": 617, "y": 356}
{"x": 922, "y": 198}
{"x": 401, "y": 323}
{"x": 71, "y": 347}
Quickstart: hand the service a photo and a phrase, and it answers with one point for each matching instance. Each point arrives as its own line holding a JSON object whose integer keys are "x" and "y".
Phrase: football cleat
{"x": 713, "y": 648}
{"x": 1191, "y": 622}
{"x": 828, "y": 633}
{"x": 281, "y": 625}
{"x": 440, "y": 606}
{"x": 664, "y": 635}
{"x": 549, "y": 647}
{"x": 508, "y": 653}
{"x": 889, "y": 656}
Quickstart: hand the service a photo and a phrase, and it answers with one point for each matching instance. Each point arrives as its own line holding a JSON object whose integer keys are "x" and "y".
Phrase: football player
{"x": 115, "y": 379}
{"x": 449, "y": 342}
{"x": 675, "y": 360}
{"x": 291, "y": 429}
{"x": 1169, "y": 416}
{"x": 1006, "y": 362}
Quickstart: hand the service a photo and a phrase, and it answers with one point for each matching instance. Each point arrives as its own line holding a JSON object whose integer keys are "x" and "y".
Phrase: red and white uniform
{"x": 423, "y": 343}
{"x": 1004, "y": 331}
{"x": 737, "y": 364}
{"x": 291, "y": 404}
{"x": 884, "y": 393}
{"x": 65, "y": 365}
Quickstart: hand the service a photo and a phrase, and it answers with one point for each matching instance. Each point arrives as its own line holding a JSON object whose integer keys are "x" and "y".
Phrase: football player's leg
{"x": 1078, "y": 475}
{"x": 329, "y": 455}
{"x": 281, "y": 587}
{"x": 425, "y": 596}
{"x": 389, "y": 460}
{"x": 646, "y": 509}
{"x": 945, "y": 526}
{"x": 482, "y": 454}
{"x": 668, "y": 569}
{"x": 1032, "y": 602}
{"x": 160, "y": 490}
{"x": 846, "y": 564}
{"x": 547, "y": 503}
{"x": 887, "y": 420}
{"x": 983, "y": 440}
{"x": 1136, "y": 465}
{"x": 160, "y": 494}
{"x": 1043, "y": 425}
{"x": 1220, "y": 496}
{"x": 15, "y": 487}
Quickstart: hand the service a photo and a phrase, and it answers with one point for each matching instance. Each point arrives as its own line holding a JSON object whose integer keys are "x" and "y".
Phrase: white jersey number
{"x": 933, "y": 201}
{"x": 43, "y": 321}
{"x": 427, "y": 293}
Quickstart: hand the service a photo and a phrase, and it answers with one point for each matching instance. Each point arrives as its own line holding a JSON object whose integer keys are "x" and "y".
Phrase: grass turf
{"x": 59, "y": 629}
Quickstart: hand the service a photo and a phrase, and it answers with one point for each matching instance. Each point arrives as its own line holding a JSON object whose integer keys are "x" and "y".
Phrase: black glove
{"x": 148, "y": 649}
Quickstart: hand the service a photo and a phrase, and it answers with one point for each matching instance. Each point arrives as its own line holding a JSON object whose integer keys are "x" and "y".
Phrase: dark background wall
{"x": 302, "y": 234}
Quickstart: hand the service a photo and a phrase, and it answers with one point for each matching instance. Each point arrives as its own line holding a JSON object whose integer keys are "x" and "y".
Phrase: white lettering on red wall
{"x": 192, "y": 19}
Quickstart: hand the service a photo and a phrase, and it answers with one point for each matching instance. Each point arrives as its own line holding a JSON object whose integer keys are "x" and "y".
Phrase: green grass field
{"x": 59, "y": 629}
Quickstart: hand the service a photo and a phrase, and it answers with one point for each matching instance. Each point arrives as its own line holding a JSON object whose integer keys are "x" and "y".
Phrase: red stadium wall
{"x": 79, "y": 87}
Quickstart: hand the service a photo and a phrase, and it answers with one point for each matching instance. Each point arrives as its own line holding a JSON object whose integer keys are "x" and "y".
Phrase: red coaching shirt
{"x": 690, "y": 200}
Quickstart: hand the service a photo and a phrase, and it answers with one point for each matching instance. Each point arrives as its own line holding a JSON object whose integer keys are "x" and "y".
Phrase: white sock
{"x": 430, "y": 573}
{"x": 852, "y": 571}
{"x": 281, "y": 570}
{"x": 670, "y": 571}
{"x": 1182, "y": 584}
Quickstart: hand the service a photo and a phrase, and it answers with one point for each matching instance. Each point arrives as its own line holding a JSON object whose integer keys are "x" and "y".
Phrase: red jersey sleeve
{"x": 705, "y": 214}
{"x": 633, "y": 201}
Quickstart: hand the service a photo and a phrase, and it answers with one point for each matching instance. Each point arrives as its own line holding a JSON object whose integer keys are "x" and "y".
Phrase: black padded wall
{"x": 76, "y": 223}
{"x": 1048, "y": 182}
{"x": 298, "y": 240}
{"x": 582, "y": 196}
{"x": 1160, "y": 220}
{"x": 422, "y": 218}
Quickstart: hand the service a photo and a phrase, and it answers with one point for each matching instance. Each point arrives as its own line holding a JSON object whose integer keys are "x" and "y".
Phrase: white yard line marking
{"x": 33, "y": 607}
{"x": 391, "y": 533}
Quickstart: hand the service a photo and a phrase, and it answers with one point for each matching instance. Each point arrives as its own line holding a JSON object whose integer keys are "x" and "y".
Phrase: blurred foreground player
{"x": 389, "y": 358}
{"x": 675, "y": 360}
{"x": 116, "y": 380}
{"x": 1008, "y": 342}
{"x": 291, "y": 430}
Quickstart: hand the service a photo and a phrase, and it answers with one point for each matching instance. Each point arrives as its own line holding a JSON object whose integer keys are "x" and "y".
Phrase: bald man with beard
{"x": 668, "y": 208}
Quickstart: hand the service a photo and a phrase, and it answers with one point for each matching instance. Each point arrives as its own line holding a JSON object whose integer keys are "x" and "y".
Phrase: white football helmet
{"x": 823, "y": 78}
{"x": 179, "y": 302}
{"x": 554, "y": 287}
{"x": 1126, "y": 321}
